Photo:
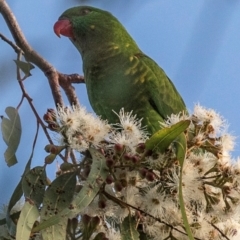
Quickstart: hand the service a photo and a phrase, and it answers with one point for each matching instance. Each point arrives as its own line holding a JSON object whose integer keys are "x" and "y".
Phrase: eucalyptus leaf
{"x": 128, "y": 229}
{"x": 58, "y": 197}
{"x": 34, "y": 183}
{"x": 164, "y": 137}
{"x": 181, "y": 148}
{"x": 11, "y": 132}
{"x": 10, "y": 157}
{"x": 26, "y": 67}
{"x": 28, "y": 216}
{"x": 17, "y": 194}
{"x": 96, "y": 178}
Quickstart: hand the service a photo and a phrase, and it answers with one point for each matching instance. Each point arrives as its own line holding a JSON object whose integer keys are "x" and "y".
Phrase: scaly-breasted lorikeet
{"x": 117, "y": 73}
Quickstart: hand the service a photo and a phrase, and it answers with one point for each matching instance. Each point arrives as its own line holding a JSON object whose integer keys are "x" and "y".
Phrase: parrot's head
{"x": 90, "y": 28}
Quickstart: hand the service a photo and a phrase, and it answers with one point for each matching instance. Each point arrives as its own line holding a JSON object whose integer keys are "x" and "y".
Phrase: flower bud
{"x": 50, "y": 158}
{"x": 140, "y": 148}
{"x": 52, "y": 112}
{"x": 150, "y": 176}
{"x": 118, "y": 148}
{"x": 102, "y": 203}
{"x": 66, "y": 166}
{"x": 110, "y": 163}
{"x": 51, "y": 148}
{"x": 53, "y": 126}
{"x": 95, "y": 222}
{"x": 47, "y": 118}
{"x": 86, "y": 219}
{"x": 135, "y": 159}
{"x": 143, "y": 172}
{"x": 109, "y": 179}
{"x": 50, "y": 116}
{"x": 127, "y": 157}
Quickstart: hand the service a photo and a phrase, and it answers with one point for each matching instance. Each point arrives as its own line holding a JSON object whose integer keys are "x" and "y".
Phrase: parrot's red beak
{"x": 63, "y": 27}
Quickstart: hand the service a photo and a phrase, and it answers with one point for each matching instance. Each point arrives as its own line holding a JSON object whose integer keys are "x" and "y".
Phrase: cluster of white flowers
{"x": 211, "y": 179}
{"x": 128, "y": 131}
{"x": 80, "y": 129}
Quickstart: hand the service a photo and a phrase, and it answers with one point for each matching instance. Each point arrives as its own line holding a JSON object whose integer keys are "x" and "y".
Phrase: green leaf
{"x": 128, "y": 229}
{"x": 11, "y": 131}
{"x": 26, "y": 67}
{"x": 17, "y": 194}
{"x": 181, "y": 148}
{"x": 10, "y": 157}
{"x": 28, "y": 216}
{"x": 163, "y": 138}
{"x": 57, "y": 197}
{"x": 96, "y": 177}
{"x": 34, "y": 183}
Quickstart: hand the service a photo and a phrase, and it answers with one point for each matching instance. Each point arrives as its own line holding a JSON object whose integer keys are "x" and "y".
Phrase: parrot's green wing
{"x": 158, "y": 97}
{"x": 163, "y": 96}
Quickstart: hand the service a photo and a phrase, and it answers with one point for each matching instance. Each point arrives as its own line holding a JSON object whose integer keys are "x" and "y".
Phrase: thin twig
{"x": 14, "y": 46}
{"x": 219, "y": 230}
{"x": 29, "y": 99}
{"x": 73, "y": 157}
{"x": 65, "y": 82}
{"x": 70, "y": 78}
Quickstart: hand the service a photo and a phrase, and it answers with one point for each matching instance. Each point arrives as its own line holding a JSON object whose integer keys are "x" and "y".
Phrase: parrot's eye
{"x": 84, "y": 11}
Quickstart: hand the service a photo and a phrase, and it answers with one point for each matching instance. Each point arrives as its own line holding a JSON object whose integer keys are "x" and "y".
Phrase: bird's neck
{"x": 110, "y": 52}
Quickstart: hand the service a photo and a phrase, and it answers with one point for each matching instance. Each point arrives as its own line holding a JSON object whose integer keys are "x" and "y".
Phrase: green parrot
{"x": 116, "y": 72}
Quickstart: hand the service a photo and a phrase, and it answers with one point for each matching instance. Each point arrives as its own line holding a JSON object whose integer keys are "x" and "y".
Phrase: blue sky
{"x": 197, "y": 43}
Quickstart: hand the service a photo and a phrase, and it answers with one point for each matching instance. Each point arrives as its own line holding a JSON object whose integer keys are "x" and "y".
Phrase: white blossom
{"x": 215, "y": 121}
{"x": 130, "y": 132}
{"x": 113, "y": 233}
{"x": 81, "y": 128}
{"x": 174, "y": 118}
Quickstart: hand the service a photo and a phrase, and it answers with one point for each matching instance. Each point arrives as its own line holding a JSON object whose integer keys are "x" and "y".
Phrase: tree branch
{"x": 66, "y": 81}
{"x": 55, "y": 78}
{"x": 20, "y": 39}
